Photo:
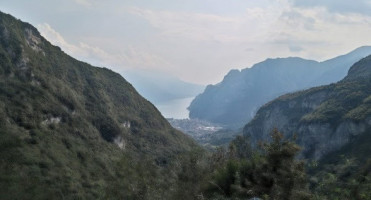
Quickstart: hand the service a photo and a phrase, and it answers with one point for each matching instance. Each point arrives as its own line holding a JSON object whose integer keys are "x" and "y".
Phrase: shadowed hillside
{"x": 323, "y": 118}
{"x": 234, "y": 101}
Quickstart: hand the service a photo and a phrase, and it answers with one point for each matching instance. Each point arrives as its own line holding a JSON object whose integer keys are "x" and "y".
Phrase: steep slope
{"x": 234, "y": 101}
{"x": 72, "y": 131}
{"x": 323, "y": 118}
{"x": 345, "y": 173}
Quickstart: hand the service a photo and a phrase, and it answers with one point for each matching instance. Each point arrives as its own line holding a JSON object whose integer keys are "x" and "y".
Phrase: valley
{"x": 286, "y": 128}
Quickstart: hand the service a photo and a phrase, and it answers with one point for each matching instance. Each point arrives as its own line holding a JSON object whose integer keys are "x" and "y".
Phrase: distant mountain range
{"x": 160, "y": 87}
{"x": 69, "y": 130}
{"x": 234, "y": 101}
{"x": 324, "y": 119}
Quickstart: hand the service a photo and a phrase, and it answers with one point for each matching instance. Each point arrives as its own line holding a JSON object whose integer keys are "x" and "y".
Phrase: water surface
{"x": 176, "y": 109}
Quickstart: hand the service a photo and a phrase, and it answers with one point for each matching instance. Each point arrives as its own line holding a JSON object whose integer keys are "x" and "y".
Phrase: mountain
{"x": 234, "y": 101}
{"x": 69, "y": 130}
{"x": 159, "y": 87}
{"x": 325, "y": 118}
{"x": 344, "y": 173}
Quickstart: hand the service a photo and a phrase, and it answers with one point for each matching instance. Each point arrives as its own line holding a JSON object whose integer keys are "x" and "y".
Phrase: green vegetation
{"x": 348, "y": 99}
{"x": 272, "y": 173}
{"x": 72, "y": 131}
{"x": 324, "y": 118}
{"x": 233, "y": 101}
{"x": 344, "y": 174}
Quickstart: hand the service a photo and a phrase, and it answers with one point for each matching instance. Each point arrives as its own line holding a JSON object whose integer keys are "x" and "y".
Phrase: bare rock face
{"x": 32, "y": 40}
{"x": 323, "y": 118}
{"x": 320, "y": 139}
{"x": 234, "y": 101}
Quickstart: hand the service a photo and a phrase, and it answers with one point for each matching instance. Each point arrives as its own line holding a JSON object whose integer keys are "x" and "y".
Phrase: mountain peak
{"x": 104, "y": 100}
{"x": 362, "y": 49}
{"x": 360, "y": 70}
{"x": 231, "y": 74}
{"x": 324, "y": 118}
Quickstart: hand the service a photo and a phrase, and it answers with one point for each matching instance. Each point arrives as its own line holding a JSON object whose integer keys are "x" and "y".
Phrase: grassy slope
{"x": 59, "y": 118}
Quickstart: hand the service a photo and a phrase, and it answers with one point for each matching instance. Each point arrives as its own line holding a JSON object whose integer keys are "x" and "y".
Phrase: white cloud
{"x": 215, "y": 43}
{"x": 81, "y": 51}
{"x": 362, "y": 7}
{"x": 242, "y": 27}
{"x": 195, "y": 26}
{"x": 128, "y": 57}
{"x": 55, "y": 38}
{"x": 323, "y": 34}
{"x": 84, "y": 2}
{"x": 201, "y": 45}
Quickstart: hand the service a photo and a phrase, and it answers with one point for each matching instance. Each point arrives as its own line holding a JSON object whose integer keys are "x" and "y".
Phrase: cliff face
{"x": 235, "y": 100}
{"x": 323, "y": 118}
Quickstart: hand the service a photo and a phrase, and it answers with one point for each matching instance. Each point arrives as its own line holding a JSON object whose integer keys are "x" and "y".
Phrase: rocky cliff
{"x": 323, "y": 118}
{"x": 235, "y": 100}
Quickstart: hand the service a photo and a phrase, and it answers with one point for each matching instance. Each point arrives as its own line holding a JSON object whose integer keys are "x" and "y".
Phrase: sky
{"x": 198, "y": 41}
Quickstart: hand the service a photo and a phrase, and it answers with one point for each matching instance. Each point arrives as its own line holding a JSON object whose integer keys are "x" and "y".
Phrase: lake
{"x": 176, "y": 108}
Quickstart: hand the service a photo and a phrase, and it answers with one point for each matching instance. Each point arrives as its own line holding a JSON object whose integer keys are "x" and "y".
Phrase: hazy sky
{"x": 197, "y": 40}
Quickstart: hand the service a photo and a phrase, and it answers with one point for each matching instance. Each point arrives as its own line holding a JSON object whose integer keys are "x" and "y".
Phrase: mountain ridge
{"x": 98, "y": 78}
{"x": 69, "y": 130}
{"x": 324, "y": 118}
{"x": 234, "y": 101}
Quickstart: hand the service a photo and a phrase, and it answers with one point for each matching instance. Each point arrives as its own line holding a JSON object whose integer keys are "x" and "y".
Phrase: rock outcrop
{"x": 323, "y": 118}
{"x": 234, "y": 101}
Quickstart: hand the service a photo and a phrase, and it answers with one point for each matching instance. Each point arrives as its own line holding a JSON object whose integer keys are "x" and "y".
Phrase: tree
{"x": 285, "y": 172}
{"x": 272, "y": 172}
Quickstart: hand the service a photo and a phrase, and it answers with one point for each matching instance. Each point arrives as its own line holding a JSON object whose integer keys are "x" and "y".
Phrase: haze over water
{"x": 176, "y": 109}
